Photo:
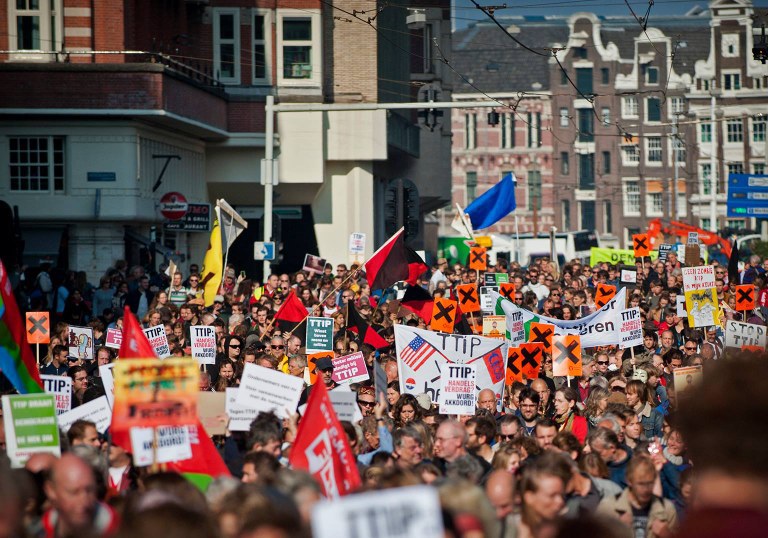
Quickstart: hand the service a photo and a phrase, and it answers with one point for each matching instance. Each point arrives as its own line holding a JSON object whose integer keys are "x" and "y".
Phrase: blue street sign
{"x": 263, "y": 251}
{"x": 747, "y": 195}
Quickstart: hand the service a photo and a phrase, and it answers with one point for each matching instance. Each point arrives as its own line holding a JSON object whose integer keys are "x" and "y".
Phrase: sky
{"x": 465, "y": 12}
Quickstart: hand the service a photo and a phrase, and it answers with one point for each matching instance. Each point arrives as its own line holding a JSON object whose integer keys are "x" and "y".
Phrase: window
{"x": 757, "y": 83}
{"x": 651, "y": 75}
{"x": 652, "y": 109}
{"x": 682, "y": 205}
{"x": 470, "y": 131}
{"x": 565, "y": 166}
{"x": 704, "y": 224}
{"x": 735, "y": 168}
{"x": 654, "y": 203}
{"x": 758, "y": 129}
{"x": 580, "y": 53}
{"x": 298, "y": 50}
{"x": 563, "y": 77}
{"x": 729, "y": 45}
{"x": 630, "y": 154}
{"x": 564, "y": 117}
{"x": 584, "y": 80}
{"x": 426, "y": 49}
{"x": 587, "y": 215}
{"x": 731, "y": 81}
{"x": 606, "y": 162}
{"x": 566, "y": 208}
{"x": 758, "y": 168}
{"x": 36, "y": 26}
{"x": 261, "y": 38}
{"x": 607, "y": 217}
{"x": 629, "y": 108}
{"x": 735, "y": 131}
{"x": 226, "y": 45}
{"x": 653, "y": 149}
{"x": 738, "y": 224}
{"x": 534, "y": 129}
{"x": 606, "y": 113}
{"x": 471, "y": 186}
{"x": 705, "y": 130}
{"x": 676, "y": 106}
{"x": 706, "y": 179}
{"x": 678, "y": 150}
{"x": 605, "y": 75}
{"x": 507, "y": 130}
{"x": 587, "y": 171}
{"x": 36, "y": 163}
{"x": 534, "y": 189}
{"x": 586, "y": 125}
{"x": 631, "y": 198}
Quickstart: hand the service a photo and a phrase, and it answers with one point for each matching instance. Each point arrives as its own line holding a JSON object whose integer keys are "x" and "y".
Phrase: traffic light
{"x": 430, "y": 117}
{"x": 401, "y": 208}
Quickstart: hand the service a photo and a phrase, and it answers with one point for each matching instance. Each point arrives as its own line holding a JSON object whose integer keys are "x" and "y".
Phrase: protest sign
{"x": 487, "y": 301}
{"x": 628, "y": 277}
{"x": 203, "y": 338}
{"x": 478, "y": 258}
{"x": 81, "y": 342}
{"x": 506, "y": 290}
{"x": 61, "y": 388}
{"x": 701, "y": 305}
{"x": 495, "y": 279}
{"x": 356, "y": 243}
{"x": 423, "y": 355}
{"x": 379, "y": 380}
{"x": 597, "y": 329}
{"x": 566, "y": 355}
{"x": 457, "y": 389}
{"x": 38, "y": 327}
{"x": 158, "y": 340}
{"x": 313, "y": 263}
{"x": 630, "y": 328}
{"x": 692, "y": 256}
{"x": 664, "y": 249}
{"x": 319, "y": 334}
{"x": 641, "y": 245}
{"x": 114, "y": 338}
{"x": 693, "y": 238}
{"x": 108, "y": 380}
{"x": 264, "y": 389}
{"x": 745, "y": 297}
{"x": 532, "y": 355}
{"x": 96, "y": 411}
{"x": 30, "y": 426}
{"x": 603, "y": 294}
{"x": 680, "y": 306}
{"x": 153, "y": 392}
{"x": 310, "y": 373}
{"x": 698, "y": 278}
{"x": 211, "y": 410}
{"x": 469, "y": 299}
{"x": 514, "y": 366}
{"x": 542, "y": 333}
{"x": 345, "y": 404}
{"x": 240, "y": 417}
{"x": 686, "y": 378}
{"x": 350, "y": 368}
{"x": 172, "y": 445}
{"x": 493, "y": 326}
{"x": 443, "y": 315}
{"x": 739, "y": 334}
{"x": 409, "y": 512}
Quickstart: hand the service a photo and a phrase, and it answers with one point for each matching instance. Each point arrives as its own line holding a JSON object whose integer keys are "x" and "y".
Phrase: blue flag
{"x": 494, "y": 204}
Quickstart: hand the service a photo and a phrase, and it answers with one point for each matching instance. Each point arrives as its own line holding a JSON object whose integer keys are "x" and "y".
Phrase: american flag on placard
{"x": 417, "y": 353}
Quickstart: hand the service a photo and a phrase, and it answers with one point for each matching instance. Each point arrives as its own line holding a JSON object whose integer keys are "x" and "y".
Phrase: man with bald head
{"x": 486, "y": 399}
{"x": 75, "y": 509}
{"x": 540, "y": 387}
{"x": 500, "y": 489}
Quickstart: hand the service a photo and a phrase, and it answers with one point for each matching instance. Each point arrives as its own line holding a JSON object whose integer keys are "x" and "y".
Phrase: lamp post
{"x": 714, "y": 92}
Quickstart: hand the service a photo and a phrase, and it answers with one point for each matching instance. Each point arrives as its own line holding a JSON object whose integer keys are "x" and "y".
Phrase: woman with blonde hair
{"x": 596, "y": 403}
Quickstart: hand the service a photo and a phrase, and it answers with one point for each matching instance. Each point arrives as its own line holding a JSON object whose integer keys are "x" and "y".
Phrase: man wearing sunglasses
{"x": 366, "y": 400}
{"x": 277, "y": 349}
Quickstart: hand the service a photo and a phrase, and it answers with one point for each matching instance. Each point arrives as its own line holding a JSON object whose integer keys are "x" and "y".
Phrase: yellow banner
{"x": 615, "y": 256}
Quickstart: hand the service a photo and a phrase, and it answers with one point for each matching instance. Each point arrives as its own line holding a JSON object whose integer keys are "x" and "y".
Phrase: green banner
{"x": 30, "y": 426}
{"x": 615, "y": 256}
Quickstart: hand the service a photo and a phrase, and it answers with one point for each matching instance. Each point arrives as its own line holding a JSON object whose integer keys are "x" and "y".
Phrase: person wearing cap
{"x": 59, "y": 364}
{"x": 325, "y": 366}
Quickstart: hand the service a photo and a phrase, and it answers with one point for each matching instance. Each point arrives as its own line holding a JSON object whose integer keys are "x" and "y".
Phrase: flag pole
{"x": 517, "y": 239}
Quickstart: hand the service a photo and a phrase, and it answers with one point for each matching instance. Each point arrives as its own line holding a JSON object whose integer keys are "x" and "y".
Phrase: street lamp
{"x": 714, "y": 93}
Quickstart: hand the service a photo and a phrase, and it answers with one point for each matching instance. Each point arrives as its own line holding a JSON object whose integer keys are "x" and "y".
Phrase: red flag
{"x": 135, "y": 344}
{"x": 366, "y": 333}
{"x": 291, "y": 314}
{"x": 322, "y": 449}
{"x": 389, "y": 264}
{"x": 416, "y": 266}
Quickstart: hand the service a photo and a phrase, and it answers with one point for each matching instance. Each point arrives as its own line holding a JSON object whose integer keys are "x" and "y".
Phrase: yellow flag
{"x": 213, "y": 264}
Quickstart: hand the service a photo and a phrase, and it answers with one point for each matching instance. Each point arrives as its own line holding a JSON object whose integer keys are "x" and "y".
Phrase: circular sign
{"x": 173, "y": 206}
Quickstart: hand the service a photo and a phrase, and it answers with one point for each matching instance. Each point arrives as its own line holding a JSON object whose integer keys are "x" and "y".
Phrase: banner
{"x": 598, "y": 329}
{"x": 423, "y": 355}
{"x": 319, "y": 334}
{"x": 203, "y": 338}
{"x": 739, "y": 334}
{"x": 458, "y": 391}
{"x": 81, "y": 342}
{"x": 61, "y": 388}
{"x": 614, "y": 256}
{"x": 158, "y": 340}
{"x": 30, "y": 426}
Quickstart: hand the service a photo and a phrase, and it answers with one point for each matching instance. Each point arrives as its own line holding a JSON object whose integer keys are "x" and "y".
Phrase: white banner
{"x": 598, "y": 329}
{"x": 423, "y": 355}
{"x": 739, "y": 334}
{"x": 203, "y": 339}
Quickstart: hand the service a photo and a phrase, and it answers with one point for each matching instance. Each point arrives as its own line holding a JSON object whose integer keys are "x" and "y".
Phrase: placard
{"x": 38, "y": 327}
{"x": 738, "y": 334}
{"x": 203, "y": 338}
{"x": 313, "y": 263}
{"x": 487, "y": 301}
{"x": 566, "y": 355}
{"x": 680, "y": 306}
{"x": 158, "y": 340}
{"x": 443, "y": 315}
{"x": 240, "y": 417}
{"x": 212, "y": 411}
{"x": 350, "y": 368}
{"x": 356, "y": 243}
{"x": 96, "y": 411}
{"x": 30, "y": 426}
{"x": 631, "y": 328}
{"x": 409, "y": 512}
{"x": 81, "y": 342}
{"x": 628, "y": 277}
{"x": 61, "y": 388}
{"x": 264, "y": 389}
{"x": 345, "y": 404}
{"x": 154, "y": 392}
{"x": 172, "y": 445}
{"x": 493, "y": 326}
{"x": 693, "y": 238}
{"x": 495, "y": 279}
{"x": 108, "y": 380}
{"x": 698, "y": 278}
{"x": 664, "y": 249}
{"x": 457, "y": 389}
{"x": 114, "y": 338}
{"x": 319, "y": 334}
{"x": 702, "y": 309}
{"x": 468, "y": 297}
{"x": 686, "y": 379}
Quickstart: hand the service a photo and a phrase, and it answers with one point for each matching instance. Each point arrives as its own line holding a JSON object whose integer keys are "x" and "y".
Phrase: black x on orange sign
{"x": 507, "y": 290}
{"x": 542, "y": 333}
{"x": 641, "y": 244}
{"x": 38, "y": 328}
{"x": 566, "y": 355}
{"x": 443, "y": 315}
{"x": 603, "y": 294}
{"x": 478, "y": 258}
{"x": 745, "y": 297}
{"x": 514, "y": 368}
{"x": 532, "y": 358}
{"x": 469, "y": 299}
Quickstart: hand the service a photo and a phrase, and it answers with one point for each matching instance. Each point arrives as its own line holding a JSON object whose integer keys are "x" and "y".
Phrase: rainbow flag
{"x": 16, "y": 360}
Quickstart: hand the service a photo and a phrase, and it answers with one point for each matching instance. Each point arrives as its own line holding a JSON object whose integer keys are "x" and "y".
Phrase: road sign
{"x": 747, "y": 195}
{"x": 263, "y": 251}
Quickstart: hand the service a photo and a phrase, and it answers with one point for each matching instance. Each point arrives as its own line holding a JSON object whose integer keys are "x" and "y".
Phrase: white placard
{"x": 630, "y": 328}
{"x": 97, "y": 411}
{"x": 264, "y": 389}
{"x": 158, "y": 340}
{"x": 628, "y": 277}
{"x": 240, "y": 418}
{"x": 345, "y": 404}
{"x": 172, "y": 445}
{"x": 61, "y": 388}
{"x": 203, "y": 338}
{"x": 680, "y": 306}
{"x": 487, "y": 302}
{"x": 693, "y": 238}
{"x": 81, "y": 342}
{"x": 356, "y": 243}
{"x": 458, "y": 389}
{"x": 108, "y": 380}
{"x": 698, "y": 278}
{"x": 739, "y": 334}
{"x": 410, "y": 512}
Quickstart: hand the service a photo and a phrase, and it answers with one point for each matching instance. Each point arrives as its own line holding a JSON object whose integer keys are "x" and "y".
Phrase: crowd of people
{"x": 615, "y": 452}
